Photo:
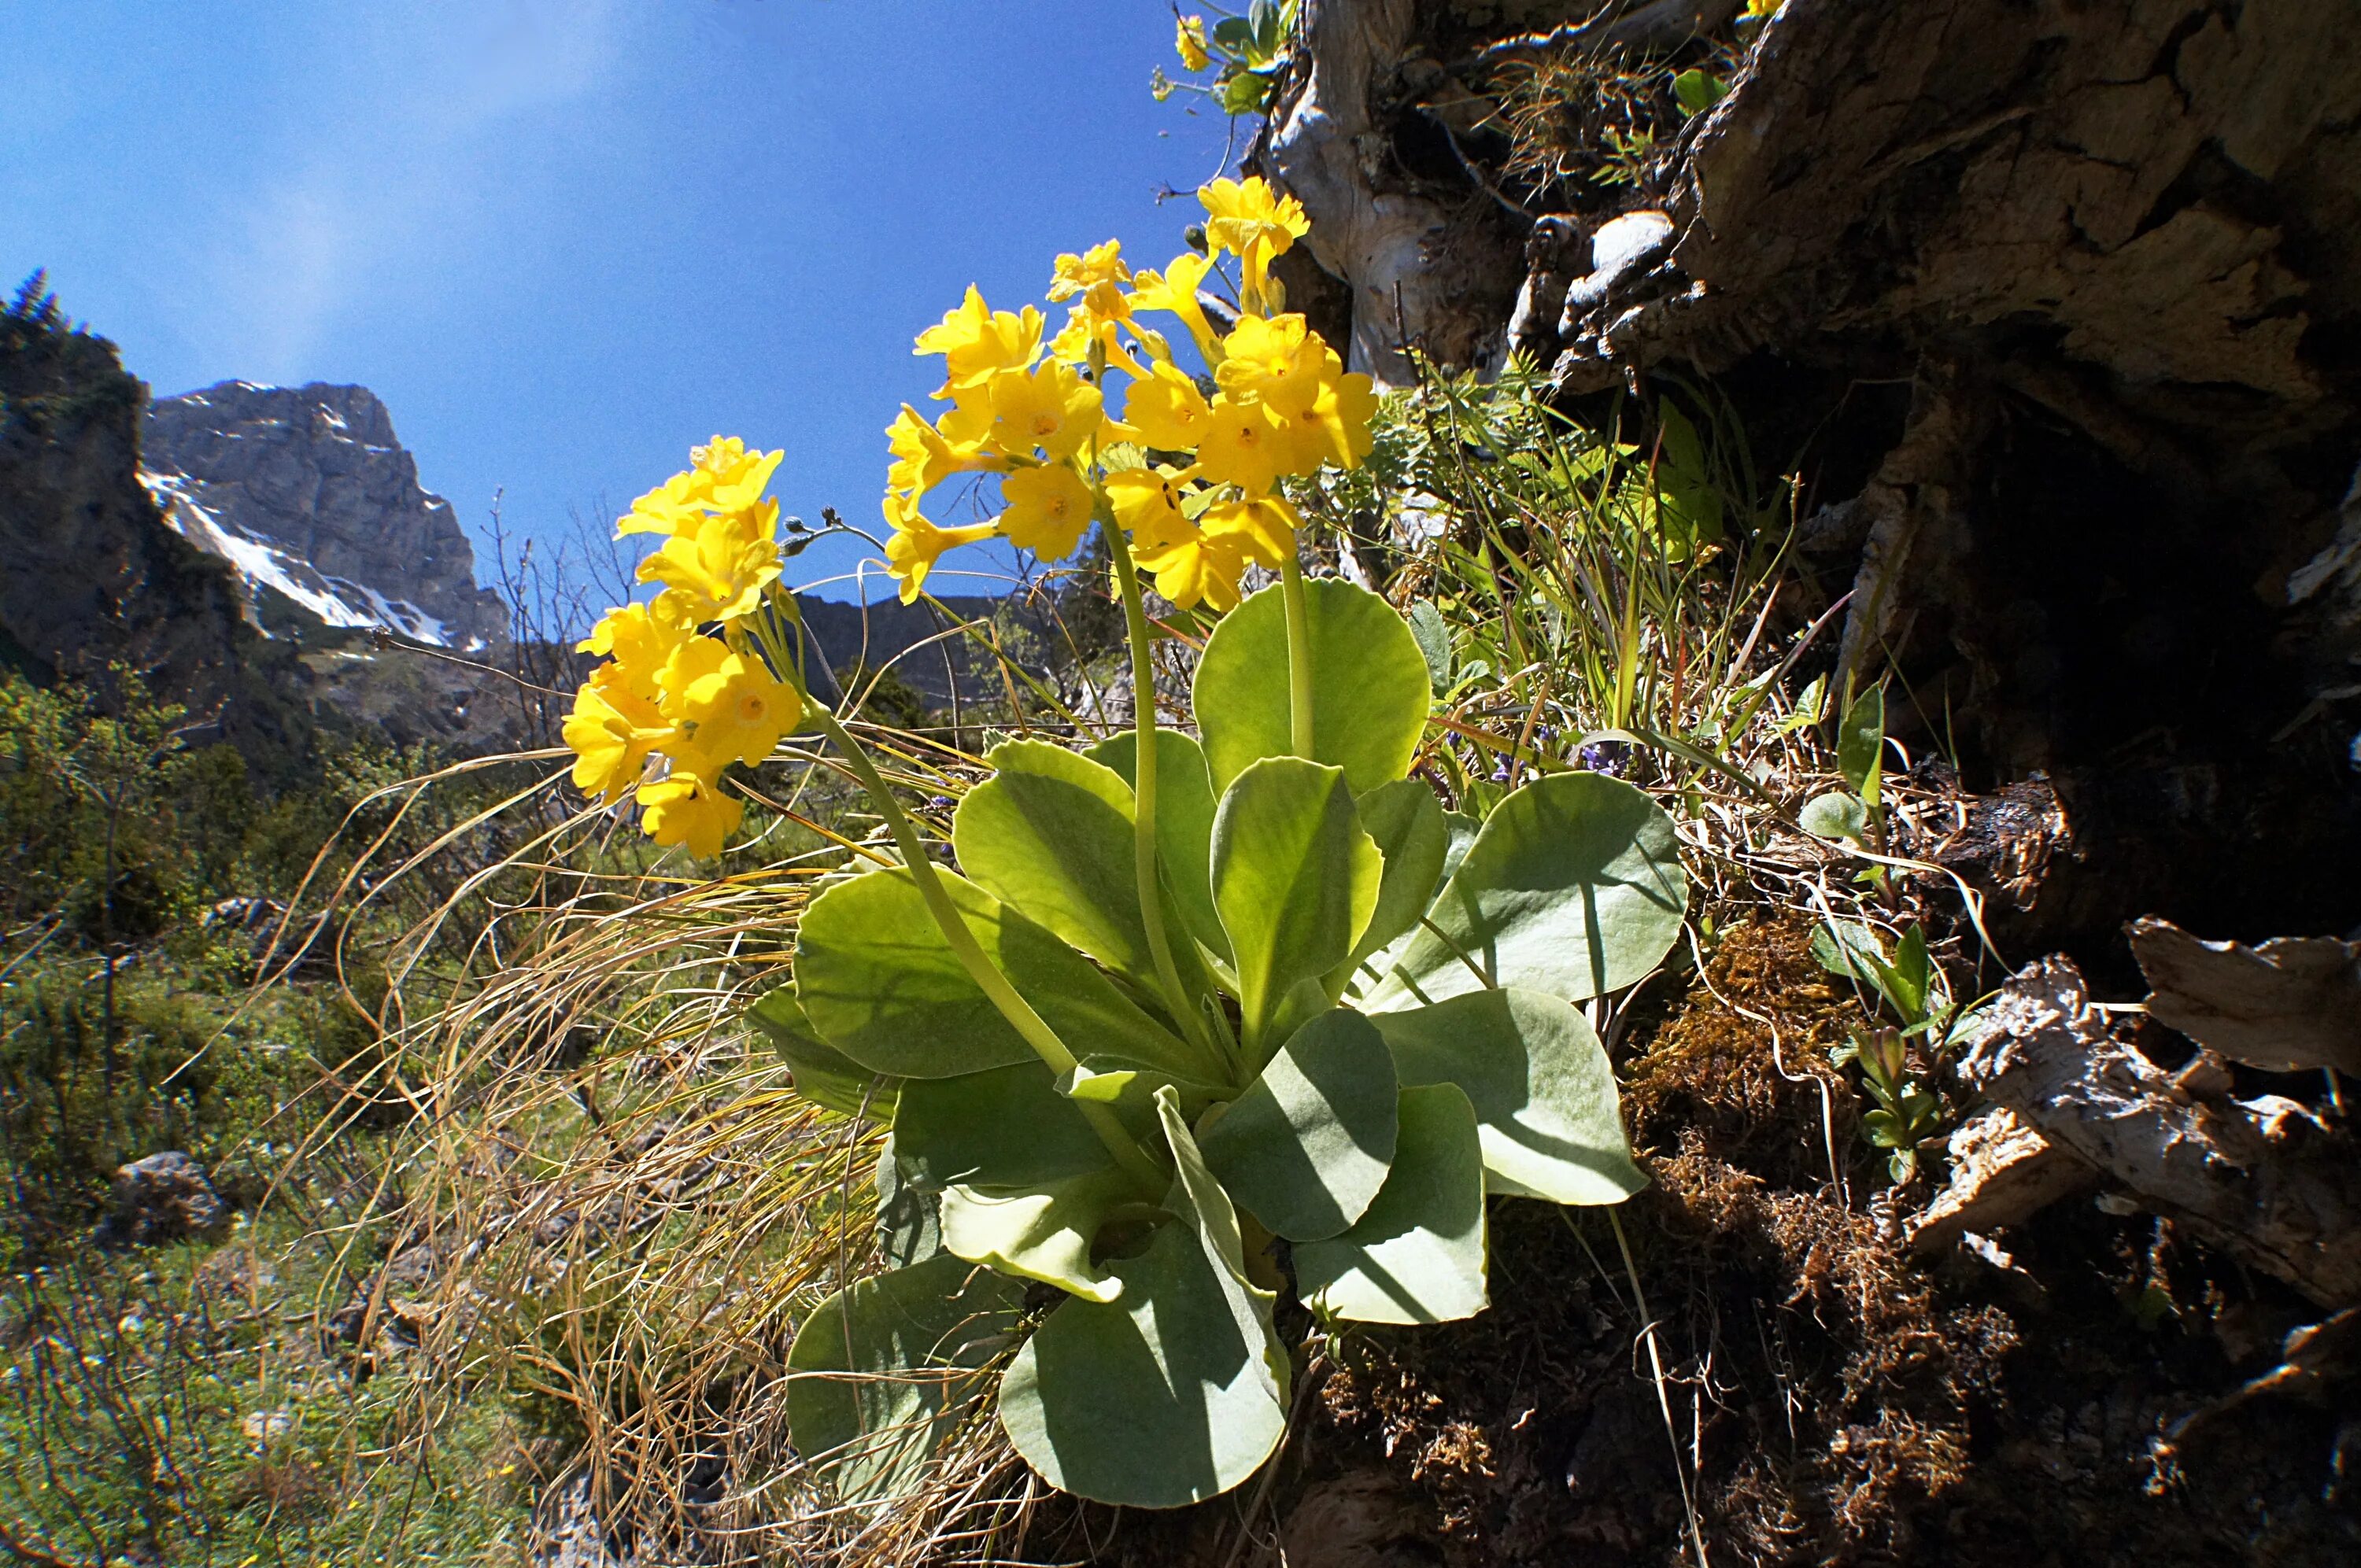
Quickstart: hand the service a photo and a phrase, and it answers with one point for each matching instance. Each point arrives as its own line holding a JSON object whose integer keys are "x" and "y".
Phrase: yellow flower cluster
{"x": 686, "y": 678}
{"x": 1190, "y": 469}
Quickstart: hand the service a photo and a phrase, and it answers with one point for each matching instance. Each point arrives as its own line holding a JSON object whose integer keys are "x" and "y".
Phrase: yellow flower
{"x": 1167, "y": 409}
{"x": 1047, "y": 510}
{"x": 915, "y": 543}
{"x": 640, "y": 636}
{"x": 1247, "y": 217}
{"x": 1051, "y": 408}
{"x": 1146, "y": 505}
{"x": 735, "y": 476}
{"x": 1338, "y": 424}
{"x": 1175, "y": 290}
{"x": 1198, "y": 565}
{"x": 612, "y": 730}
{"x": 978, "y": 343}
{"x": 924, "y": 458}
{"x": 1280, "y": 362}
{"x": 721, "y": 567}
{"x": 1188, "y": 38}
{"x": 733, "y": 708}
{"x": 1264, "y": 527}
{"x": 683, "y": 809}
{"x": 663, "y": 510}
{"x": 1247, "y": 446}
{"x": 1098, "y": 276}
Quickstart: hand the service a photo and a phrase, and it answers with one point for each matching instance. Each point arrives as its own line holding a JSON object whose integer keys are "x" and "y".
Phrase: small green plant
{"x": 1911, "y": 990}
{"x": 1242, "y": 52}
{"x": 1854, "y": 815}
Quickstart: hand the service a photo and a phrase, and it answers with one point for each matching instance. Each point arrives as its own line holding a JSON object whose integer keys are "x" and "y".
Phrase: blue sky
{"x": 566, "y": 239}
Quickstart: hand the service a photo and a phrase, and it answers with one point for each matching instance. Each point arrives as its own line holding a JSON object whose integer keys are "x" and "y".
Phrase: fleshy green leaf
{"x": 1462, "y": 829}
{"x": 1039, "y": 1232}
{"x": 880, "y": 1374}
{"x": 1108, "y": 1080}
{"x": 1860, "y": 745}
{"x": 909, "y": 1220}
{"x": 1574, "y": 887}
{"x": 824, "y": 1075}
{"x": 880, "y": 983}
{"x": 1369, "y": 685}
{"x": 1835, "y": 815}
{"x": 1295, "y": 877}
{"x": 1546, "y": 1105}
{"x": 1408, "y": 825}
{"x": 1427, "y": 625}
{"x": 1306, "y": 1147}
{"x": 1417, "y": 1256}
{"x": 1049, "y": 834}
{"x": 1168, "y": 1395}
{"x": 1184, "y": 823}
{"x": 1008, "y": 1127}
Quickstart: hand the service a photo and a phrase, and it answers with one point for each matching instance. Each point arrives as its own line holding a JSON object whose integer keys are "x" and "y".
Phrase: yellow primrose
{"x": 1338, "y": 424}
{"x": 924, "y": 458}
{"x": 1047, "y": 510}
{"x": 1199, "y": 565}
{"x": 978, "y": 343}
{"x": 1051, "y": 408}
{"x": 677, "y": 501}
{"x": 915, "y": 543}
{"x": 683, "y": 809}
{"x": 1146, "y": 505}
{"x": 1247, "y": 218}
{"x": 1097, "y": 275}
{"x": 1175, "y": 290}
{"x": 1263, "y": 527}
{"x": 1167, "y": 409}
{"x": 612, "y": 730}
{"x": 1280, "y": 362}
{"x": 1247, "y": 446}
{"x": 721, "y": 567}
{"x": 735, "y": 710}
{"x": 1188, "y": 38}
{"x": 735, "y": 476}
{"x": 640, "y": 636}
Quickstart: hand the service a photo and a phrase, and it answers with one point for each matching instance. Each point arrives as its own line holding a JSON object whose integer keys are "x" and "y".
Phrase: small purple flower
{"x": 1612, "y": 758}
{"x": 1500, "y": 774}
{"x": 938, "y": 803}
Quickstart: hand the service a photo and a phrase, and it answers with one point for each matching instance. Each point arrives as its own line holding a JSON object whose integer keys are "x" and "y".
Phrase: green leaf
{"x": 1233, "y": 32}
{"x": 1369, "y": 681}
{"x": 824, "y": 1075}
{"x": 1462, "y": 829}
{"x": 910, "y": 1219}
{"x": 880, "y": 983}
{"x": 1006, "y": 1127}
{"x": 1696, "y": 90}
{"x": 1546, "y": 1107}
{"x": 1110, "y": 1080}
{"x": 1041, "y": 1232}
{"x": 1912, "y": 974}
{"x": 1417, "y": 1256}
{"x": 880, "y": 1374}
{"x": 1049, "y": 834}
{"x": 1860, "y": 745}
{"x": 1306, "y": 1147}
{"x": 1574, "y": 887}
{"x": 1427, "y": 625}
{"x": 1245, "y": 92}
{"x": 1854, "y": 952}
{"x": 1408, "y": 825}
{"x": 1184, "y": 823}
{"x": 1295, "y": 877}
{"x": 1173, "y": 1393}
{"x": 1836, "y": 814}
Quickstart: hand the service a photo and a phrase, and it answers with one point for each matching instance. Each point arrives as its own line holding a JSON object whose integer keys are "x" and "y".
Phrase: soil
{"x": 1831, "y": 1399}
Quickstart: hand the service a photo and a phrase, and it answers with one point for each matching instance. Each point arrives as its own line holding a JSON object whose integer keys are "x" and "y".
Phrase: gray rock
{"x": 164, "y": 1198}
{"x": 308, "y": 495}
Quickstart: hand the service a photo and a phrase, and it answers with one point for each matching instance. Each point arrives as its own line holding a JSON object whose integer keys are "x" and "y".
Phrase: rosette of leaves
{"x": 1385, "y": 1031}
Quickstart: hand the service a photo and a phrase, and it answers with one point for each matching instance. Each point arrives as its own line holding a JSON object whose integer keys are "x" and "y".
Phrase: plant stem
{"x": 1013, "y": 1007}
{"x": 1299, "y": 657}
{"x": 1143, "y": 785}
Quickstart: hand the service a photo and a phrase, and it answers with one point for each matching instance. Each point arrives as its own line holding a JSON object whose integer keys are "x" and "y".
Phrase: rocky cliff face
{"x": 92, "y": 577}
{"x": 308, "y": 495}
